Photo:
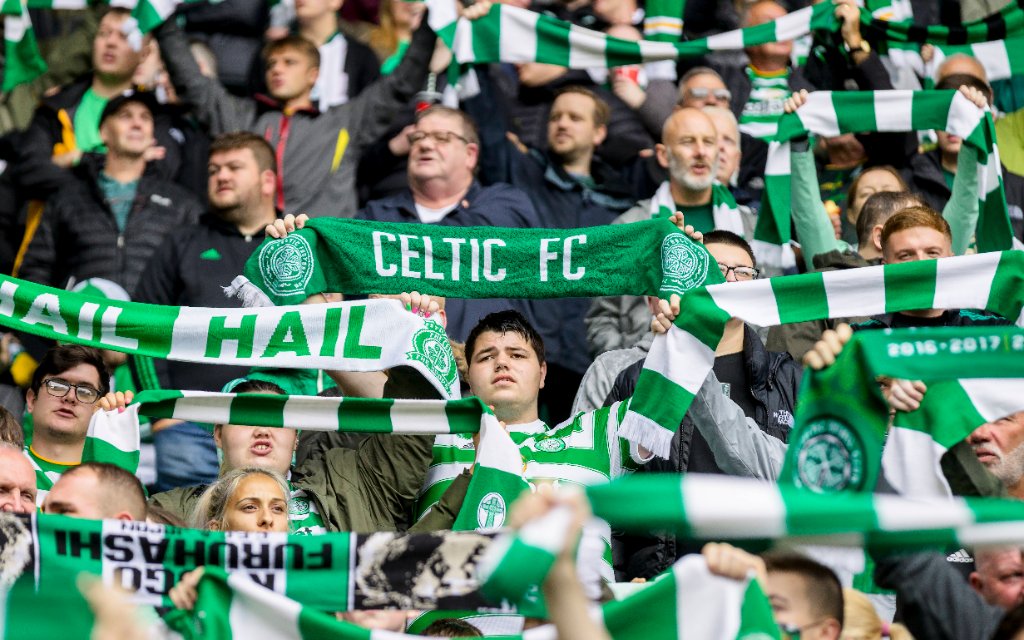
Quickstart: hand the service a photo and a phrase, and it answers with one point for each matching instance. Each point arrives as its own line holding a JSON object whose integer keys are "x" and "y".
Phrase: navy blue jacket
{"x": 498, "y": 205}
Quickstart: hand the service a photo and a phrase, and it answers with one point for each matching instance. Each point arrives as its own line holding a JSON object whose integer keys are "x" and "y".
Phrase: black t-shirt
{"x": 731, "y": 371}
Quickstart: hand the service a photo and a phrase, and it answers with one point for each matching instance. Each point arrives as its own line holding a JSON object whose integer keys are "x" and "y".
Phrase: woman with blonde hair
{"x": 251, "y": 500}
{"x": 861, "y": 621}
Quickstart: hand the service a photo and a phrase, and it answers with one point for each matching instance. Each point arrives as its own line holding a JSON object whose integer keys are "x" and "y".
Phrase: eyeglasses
{"x": 741, "y": 273}
{"x": 437, "y": 136}
{"x": 702, "y": 93}
{"x": 83, "y": 393}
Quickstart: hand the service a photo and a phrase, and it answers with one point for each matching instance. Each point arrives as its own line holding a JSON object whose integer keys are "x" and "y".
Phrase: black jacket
{"x": 37, "y": 177}
{"x": 190, "y": 270}
{"x": 78, "y": 237}
{"x": 775, "y": 379}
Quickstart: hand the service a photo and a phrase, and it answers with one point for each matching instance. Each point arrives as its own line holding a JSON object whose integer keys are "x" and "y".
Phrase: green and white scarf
{"x": 837, "y": 442}
{"x": 724, "y": 208}
{"x": 350, "y": 336}
{"x": 716, "y": 507}
{"x": 680, "y": 360}
{"x": 828, "y": 113}
{"x": 24, "y": 63}
{"x": 360, "y": 257}
{"x": 511, "y": 34}
{"x": 686, "y": 602}
{"x": 663, "y": 20}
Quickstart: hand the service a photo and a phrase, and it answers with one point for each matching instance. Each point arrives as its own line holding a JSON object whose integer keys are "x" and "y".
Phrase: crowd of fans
{"x": 152, "y": 174}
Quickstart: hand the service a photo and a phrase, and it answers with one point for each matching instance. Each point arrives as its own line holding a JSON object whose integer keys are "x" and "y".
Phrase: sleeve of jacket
{"x": 218, "y": 110}
{"x": 442, "y": 515}
{"x": 738, "y": 444}
{"x": 935, "y": 600}
{"x": 488, "y": 111}
{"x": 813, "y": 227}
{"x": 390, "y": 469}
{"x": 511, "y": 207}
{"x": 370, "y": 114}
{"x": 33, "y": 170}
{"x": 40, "y": 261}
{"x": 961, "y": 210}
{"x": 662, "y": 96}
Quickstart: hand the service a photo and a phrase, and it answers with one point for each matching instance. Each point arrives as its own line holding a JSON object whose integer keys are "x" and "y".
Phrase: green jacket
{"x": 369, "y": 488}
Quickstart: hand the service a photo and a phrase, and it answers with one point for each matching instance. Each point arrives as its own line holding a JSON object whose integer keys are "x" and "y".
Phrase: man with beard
{"x": 190, "y": 270}
{"x": 999, "y": 447}
{"x": 689, "y": 150}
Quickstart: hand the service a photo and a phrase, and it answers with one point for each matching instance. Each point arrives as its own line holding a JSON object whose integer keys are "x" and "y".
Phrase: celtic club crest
{"x": 490, "y": 513}
{"x": 286, "y": 265}
{"x": 684, "y": 265}
{"x": 298, "y": 507}
{"x": 829, "y": 457}
{"x": 550, "y": 445}
{"x": 431, "y": 348}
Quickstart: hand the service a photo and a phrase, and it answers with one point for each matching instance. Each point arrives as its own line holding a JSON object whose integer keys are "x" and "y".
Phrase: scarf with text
{"x": 359, "y": 257}
{"x": 330, "y": 572}
{"x": 349, "y": 336}
{"x": 680, "y": 360}
{"x": 830, "y": 113}
{"x": 840, "y": 440}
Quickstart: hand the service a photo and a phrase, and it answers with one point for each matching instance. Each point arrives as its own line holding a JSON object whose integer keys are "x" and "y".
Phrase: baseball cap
{"x": 147, "y": 98}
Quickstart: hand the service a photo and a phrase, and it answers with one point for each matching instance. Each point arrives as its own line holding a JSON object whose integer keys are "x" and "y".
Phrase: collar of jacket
{"x": 89, "y": 169}
{"x": 609, "y": 189}
{"x": 269, "y": 103}
{"x": 927, "y": 167}
{"x": 406, "y": 202}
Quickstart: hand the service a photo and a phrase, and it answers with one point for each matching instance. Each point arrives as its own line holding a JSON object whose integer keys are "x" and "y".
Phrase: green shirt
{"x": 87, "y": 122}
{"x": 119, "y": 197}
{"x": 702, "y": 217}
{"x": 764, "y": 107}
{"x": 949, "y": 177}
{"x": 47, "y": 473}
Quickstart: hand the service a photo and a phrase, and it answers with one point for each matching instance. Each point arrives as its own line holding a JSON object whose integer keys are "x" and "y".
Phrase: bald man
{"x": 17, "y": 480}
{"x": 689, "y": 150}
{"x": 97, "y": 491}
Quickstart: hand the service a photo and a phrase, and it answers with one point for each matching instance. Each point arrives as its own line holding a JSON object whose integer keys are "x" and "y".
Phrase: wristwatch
{"x": 863, "y": 46}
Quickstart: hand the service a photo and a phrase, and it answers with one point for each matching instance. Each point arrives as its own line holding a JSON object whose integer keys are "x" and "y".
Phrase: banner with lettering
{"x": 330, "y": 572}
{"x": 368, "y": 335}
{"x": 358, "y": 257}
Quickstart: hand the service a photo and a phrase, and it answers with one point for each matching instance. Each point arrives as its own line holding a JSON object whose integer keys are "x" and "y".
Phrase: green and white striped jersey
{"x": 766, "y": 104}
{"x": 47, "y": 473}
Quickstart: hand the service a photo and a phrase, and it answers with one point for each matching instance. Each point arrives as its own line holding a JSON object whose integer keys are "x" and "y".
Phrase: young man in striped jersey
{"x": 70, "y": 384}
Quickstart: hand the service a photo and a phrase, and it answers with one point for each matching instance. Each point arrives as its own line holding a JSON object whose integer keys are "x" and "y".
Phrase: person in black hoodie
{"x": 190, "y": 270}
{"x": 110, "y": 220}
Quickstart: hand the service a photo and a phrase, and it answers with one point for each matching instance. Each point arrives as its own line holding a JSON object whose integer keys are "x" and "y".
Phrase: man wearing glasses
{"x": 69, "y": 385}
{"x": 740, "y": 419}
{"x": 443, "y": 189}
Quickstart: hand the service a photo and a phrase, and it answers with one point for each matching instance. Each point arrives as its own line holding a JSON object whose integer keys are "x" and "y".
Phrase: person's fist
{"x": 823, "y": 353}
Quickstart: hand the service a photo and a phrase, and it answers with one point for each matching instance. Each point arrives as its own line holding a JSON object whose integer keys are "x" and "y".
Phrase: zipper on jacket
{"x": 120, "y": 241}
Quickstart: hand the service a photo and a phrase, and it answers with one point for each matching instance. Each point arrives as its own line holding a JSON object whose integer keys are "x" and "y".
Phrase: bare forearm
{"x": 568, "y": 605}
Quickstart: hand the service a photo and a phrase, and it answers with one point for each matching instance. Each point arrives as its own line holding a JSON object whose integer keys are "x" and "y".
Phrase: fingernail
{"x": 408, "y": 307}
{"x": 429, "y": 313}
{"x": 120, "y": 409}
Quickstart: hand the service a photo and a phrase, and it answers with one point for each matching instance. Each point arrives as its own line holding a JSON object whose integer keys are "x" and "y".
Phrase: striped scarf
{"x": 686, "y": 602}
{"x": 724, "y": 208}
{"x": 841, "y": 428}
{"x": 715, "y": 507}
{"x": 24, "y": 63}
{"x": 680, "y": 360}
{"x": 359, "y": 257}
{"x": 350, "y": 336}
{"x": 829, "y": 113}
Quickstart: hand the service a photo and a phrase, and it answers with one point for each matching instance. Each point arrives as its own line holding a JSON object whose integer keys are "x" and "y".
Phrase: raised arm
{"x": 218, "y": 110}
